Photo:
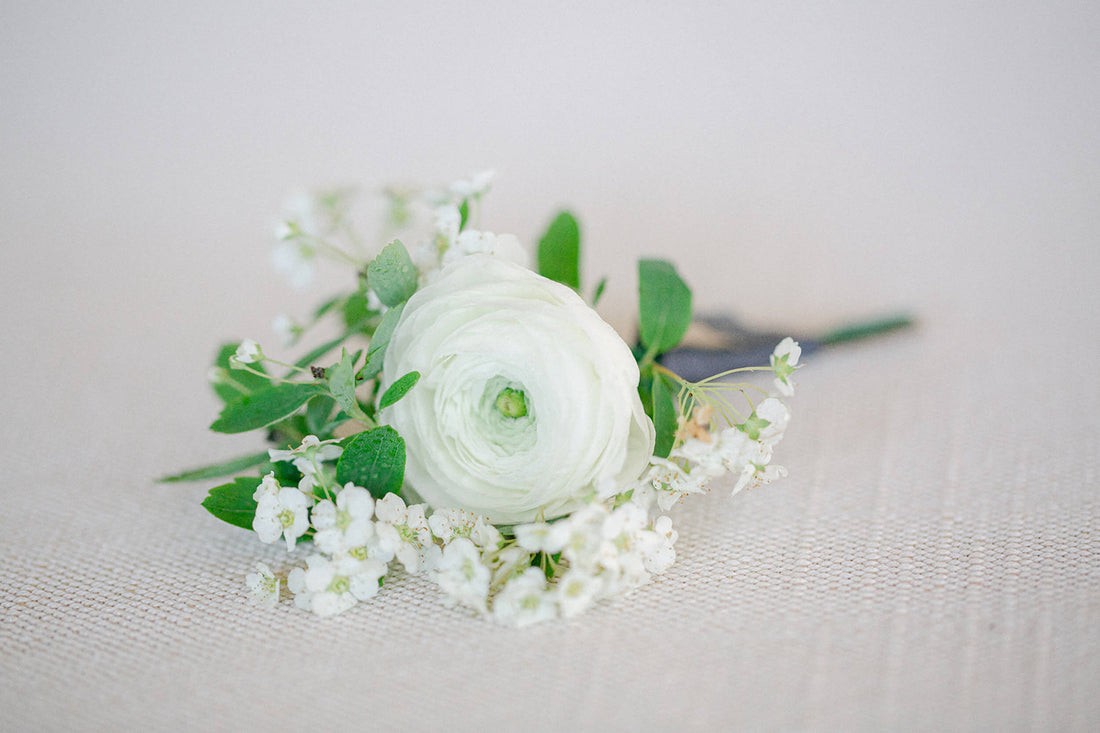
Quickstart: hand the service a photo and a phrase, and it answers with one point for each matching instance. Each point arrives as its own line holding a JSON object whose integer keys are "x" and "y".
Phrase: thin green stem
{"x": 244, "y": 367}
{"x": 292, "y": 367}
{"x": 722, "y": 406}
{"x": 333, "y": 250}
{"x": 648, "y": 359}
{"x": 673, "y": 376}
{"x": 321, "y": 478}
{"x": 505, "y": 576}
{"x": 739, "y": 386}
{"x": 225, "y": 378}
{"x": 735, "y": 371}
{"x": 368, "y": 422}
{"x": 352, "y": 235}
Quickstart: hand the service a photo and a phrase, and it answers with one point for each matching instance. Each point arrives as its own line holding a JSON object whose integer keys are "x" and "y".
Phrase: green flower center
{"x": 505, "y": 419}
{"x": 407, "y": 533}
{"x": 753, "y": 426}
{"x": 782, "y": 368}
{"x": 511, "y": 403}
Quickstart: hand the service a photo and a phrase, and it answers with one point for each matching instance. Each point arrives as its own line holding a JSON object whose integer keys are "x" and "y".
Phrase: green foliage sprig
{"x": 323, "y": 401}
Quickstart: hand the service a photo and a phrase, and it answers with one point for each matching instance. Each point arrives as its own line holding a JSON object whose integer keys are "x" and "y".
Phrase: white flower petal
{"x": 486, "y": 327}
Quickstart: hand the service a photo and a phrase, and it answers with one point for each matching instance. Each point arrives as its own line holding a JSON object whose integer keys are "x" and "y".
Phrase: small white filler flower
{"x": 264, "y": 586}
{"x": 784, "y": 361}
{"x": 249, "y": 352}
{"x": 462, "y": 575}
{"x": 308, "y": 457}
{"x": 525, "y": 600}
{"x": 336, "y": 584}
{"x": 403, "y": 530}
{"x": 284, "y": 514}
{"x": 345, "y": 524}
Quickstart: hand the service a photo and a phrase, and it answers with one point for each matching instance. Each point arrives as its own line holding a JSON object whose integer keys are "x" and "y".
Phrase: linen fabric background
{"x": 932, "y": 561}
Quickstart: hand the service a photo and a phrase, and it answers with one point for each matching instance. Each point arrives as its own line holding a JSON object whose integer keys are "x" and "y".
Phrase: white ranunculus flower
{"x": 527, "y": 399}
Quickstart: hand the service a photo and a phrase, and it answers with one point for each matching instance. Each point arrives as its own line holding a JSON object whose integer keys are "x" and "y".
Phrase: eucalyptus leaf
{"x": 375, "y": 460}
{"x": 664, "y": 305}
{"x": 559, "y": 251}
{"x": 217, "y": 470}
{"x": 379, "y": 341}
{"x": 357, "y": 311}
{"x": 318, "y": 412}
{"x": 374, "y": 364}
{"x": 341, "y": 383}
{"x": 392, "y": 274}
{"x": 398, "y": 389}
{"x": 665, "y": 413}
{"x": 233, "y": 502}
{"x": 265, "y": 407}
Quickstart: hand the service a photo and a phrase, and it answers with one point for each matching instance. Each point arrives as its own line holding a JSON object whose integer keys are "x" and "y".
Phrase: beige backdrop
{"x": 931, "y": 562}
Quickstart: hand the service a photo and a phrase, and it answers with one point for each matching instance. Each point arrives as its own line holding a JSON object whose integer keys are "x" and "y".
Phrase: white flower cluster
{"x": 743, "y": 450}
{"x": 597, "y": 552}
{"x": 312, "y": 224}
{"x": 309, "y": 221}
{"x": 450, "y": 241}
{"x": 354, "y": 537}
{"x": 543, "y": 570}
{"x": 557, "y": 569}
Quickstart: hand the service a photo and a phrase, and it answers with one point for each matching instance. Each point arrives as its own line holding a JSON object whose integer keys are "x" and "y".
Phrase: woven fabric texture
{"x": 931, "y": 563}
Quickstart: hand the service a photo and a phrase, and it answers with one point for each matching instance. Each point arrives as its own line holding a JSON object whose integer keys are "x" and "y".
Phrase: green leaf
{"x": 217, "y": 470}
{"x": 346, "y": 441}
{"x": 265, "y": 407}
{"x": 645, "y": 388}
{"x": 664, "y": 305}
{"x": 235, "y": 382}
{"x": 329, "y": 428}
{"x": 328, "y": 305}
{"x": 318, "y": 352}
{"x": 379, "y": 341}
{"x": 318, "y": 411}
{"x": 665, "y": 413}
{"x": 398, "y": 389}
{"x": 374, "y": 460}
{"x": 559, "y": 251}
{"x": 392, "y": 274}
{"x": 341, "y": 382}
{"x": 356, "y": 310}
{"x": 464, "y": 214}
{"x": 374, "y": 364}
{"x": 286, "y": 473}
{"x": 233, "y": 502}
{"x": 866, "y": 329}
{"x": 598, "y": 292}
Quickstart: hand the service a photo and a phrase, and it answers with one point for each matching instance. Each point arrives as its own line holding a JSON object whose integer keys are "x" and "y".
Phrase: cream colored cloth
{"x": 931, "y": 563}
